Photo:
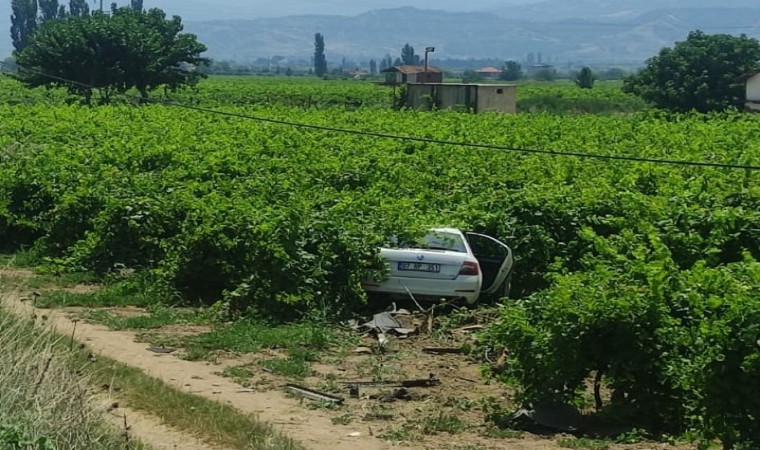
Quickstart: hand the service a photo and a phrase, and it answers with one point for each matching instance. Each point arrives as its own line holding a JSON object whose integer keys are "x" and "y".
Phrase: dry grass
{"x": 47, "y": 385}
{"x": 45, "y": 401}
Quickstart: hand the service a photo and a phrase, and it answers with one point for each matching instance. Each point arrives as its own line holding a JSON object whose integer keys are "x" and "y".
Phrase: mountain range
{"x": 594, "y": 32}
{"x": 608, "y": 36}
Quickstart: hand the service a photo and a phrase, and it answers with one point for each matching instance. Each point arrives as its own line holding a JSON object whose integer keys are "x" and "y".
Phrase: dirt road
{"x": 311, "y": 427}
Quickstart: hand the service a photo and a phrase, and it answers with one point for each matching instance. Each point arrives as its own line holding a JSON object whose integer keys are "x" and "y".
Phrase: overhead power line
{"x": 383, "y": 135}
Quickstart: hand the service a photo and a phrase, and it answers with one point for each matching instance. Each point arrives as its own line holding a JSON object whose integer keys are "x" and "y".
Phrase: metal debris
{"x": 443, "y": 350}
{"x": 551, "y": 416}
{"x": 397, "y": 321}
{"x": 431, "y": 381}
{"x": 313, "y": 395}
{"x": 161, "y": 349}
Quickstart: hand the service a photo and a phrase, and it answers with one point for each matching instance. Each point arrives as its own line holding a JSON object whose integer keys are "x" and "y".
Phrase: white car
{"x": 447, "y": 264}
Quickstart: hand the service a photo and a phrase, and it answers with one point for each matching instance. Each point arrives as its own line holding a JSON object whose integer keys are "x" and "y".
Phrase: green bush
{"x": 676, "y": 348}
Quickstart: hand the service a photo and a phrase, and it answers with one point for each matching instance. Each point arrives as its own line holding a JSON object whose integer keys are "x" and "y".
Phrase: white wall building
{"x": 752, "y": 83}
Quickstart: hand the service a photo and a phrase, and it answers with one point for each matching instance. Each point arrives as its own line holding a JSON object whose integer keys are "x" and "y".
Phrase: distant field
{"x": 561, "y": 97}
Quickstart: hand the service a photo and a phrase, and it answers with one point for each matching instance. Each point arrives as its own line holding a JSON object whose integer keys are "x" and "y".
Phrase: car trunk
{"x": 428, "y": 264}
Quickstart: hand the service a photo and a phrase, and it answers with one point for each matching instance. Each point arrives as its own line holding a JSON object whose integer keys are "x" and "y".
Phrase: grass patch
{"x": 98, "y": 299}
{"x": 584, "y": 443}
{"x": 288, "y": 367}
{"x": 216, "y": 423}
{"x": 345, "y": 419}
{"x": 157, "y": 317}
{"x": 64, "y": 280}
{"x": 194, "y": 353}
{"x": 406, "y": 432}
{"x": 443, "y": 423}
{"x": 7, "y": 260}
{"x": 379, "y": 412}
{"x": 237, "y": 372}
{"x": 502, "y": 433}
{"x": 22, "y": 258}
{"x": 296, "y": 365}
{"x": 246, "y": 336}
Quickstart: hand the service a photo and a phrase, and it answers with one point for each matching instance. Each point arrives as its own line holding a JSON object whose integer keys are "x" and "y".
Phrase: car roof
{"x": 447, "y": 230}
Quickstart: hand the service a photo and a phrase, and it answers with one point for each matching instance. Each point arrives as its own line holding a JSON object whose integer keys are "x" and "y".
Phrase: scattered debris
{"x": 362, "y": 351}
{"x": 162, "y": 349}
{"x": 354, "y": 434}
{"x": 469, "y": 380}
{"x": 547, "y": 416}
{"x": 398, "y": 394}
{"x": 443, "y": 350}
{"x": 468, "y": 329}
{"x": 399, "y": 322}
{"x": 382, "y": 341}
{"x": 432, "y": 380}
{"x": 312, "y": 394}
{"x": 382, "y": 322}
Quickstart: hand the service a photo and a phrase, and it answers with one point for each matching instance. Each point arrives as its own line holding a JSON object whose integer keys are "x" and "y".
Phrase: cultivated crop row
{"x": 642, "y": 274}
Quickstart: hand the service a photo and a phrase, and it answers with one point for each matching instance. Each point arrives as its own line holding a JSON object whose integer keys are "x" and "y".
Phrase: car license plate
{"x": 419, "y": 267}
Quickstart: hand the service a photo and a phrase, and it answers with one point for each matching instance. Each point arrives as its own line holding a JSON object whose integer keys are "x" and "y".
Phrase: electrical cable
{"x": 381, "y": 135}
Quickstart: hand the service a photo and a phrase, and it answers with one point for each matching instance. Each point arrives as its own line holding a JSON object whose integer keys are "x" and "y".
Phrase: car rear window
{"x": 441, "y": 240}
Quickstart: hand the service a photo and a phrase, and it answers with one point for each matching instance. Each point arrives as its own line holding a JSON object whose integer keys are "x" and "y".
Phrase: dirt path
{"x": 151, "y": 431}
{"x": 311, "y": 427}
{"x": 143, "y": 427}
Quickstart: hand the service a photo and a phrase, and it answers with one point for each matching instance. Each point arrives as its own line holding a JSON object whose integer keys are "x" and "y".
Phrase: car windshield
{"x": 441, "y": 240}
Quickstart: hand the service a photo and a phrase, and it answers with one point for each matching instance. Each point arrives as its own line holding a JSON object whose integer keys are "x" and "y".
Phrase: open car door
{"x": 496, "y": 263}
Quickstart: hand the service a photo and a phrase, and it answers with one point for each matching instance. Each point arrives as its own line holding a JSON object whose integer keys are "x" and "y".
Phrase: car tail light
{"x": 469, "y": 268}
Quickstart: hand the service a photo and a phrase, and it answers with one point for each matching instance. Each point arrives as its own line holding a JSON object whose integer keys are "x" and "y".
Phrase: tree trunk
{"x": 143, "y": 94}
{"x": 597, "y": 389}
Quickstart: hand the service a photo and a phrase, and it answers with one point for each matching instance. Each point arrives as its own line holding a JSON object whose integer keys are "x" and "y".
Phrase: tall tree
{"x": 512, "y": 71}
{"x": 585, "y": 78}
{"x": 320, "y": 62}
{"x": 386, "y": 62}
{"x": 49, "y": 10}
{"x": 23, "y": 21}
{"x": 78, "y": 8}
{"x": 113, "y": 53}
{"x": 372, "y": 67}
{"x": 408, "y": 56}
{"x": 136, "y": 5}
{"x": 701, "y": 73}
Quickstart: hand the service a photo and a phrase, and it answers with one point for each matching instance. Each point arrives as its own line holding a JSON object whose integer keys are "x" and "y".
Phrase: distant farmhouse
{"x": 425, "y": 90}
{"x": 752, "y": 88}
{"x": 416, "y": 74}
{"x": 477, "y": 98}
{"x": 489, "y": 73}
{"x": 533, "y": 69}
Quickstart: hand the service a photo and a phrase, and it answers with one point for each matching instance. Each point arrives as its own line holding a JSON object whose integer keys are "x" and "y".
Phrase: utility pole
{"x": 427, "y": 50}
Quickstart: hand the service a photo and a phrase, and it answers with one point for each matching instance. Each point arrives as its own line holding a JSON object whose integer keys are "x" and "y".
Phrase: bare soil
{"x": 449, "y": 415}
